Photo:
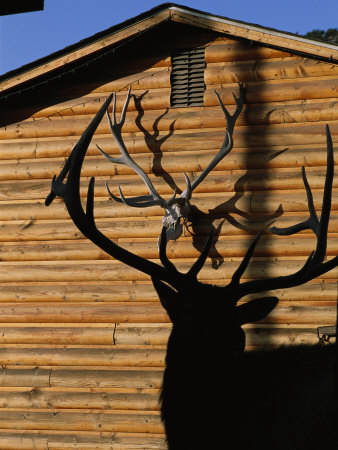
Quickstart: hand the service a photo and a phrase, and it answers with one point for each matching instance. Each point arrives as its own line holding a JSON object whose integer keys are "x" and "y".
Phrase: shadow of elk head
{"x": 206, "y": 319}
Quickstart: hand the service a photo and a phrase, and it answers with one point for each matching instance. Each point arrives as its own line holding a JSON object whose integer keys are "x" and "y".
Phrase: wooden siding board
{"x": 66, "y": 440}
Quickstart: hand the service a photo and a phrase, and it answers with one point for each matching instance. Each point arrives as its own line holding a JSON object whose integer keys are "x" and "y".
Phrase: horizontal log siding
{"x": 82, "y": 338}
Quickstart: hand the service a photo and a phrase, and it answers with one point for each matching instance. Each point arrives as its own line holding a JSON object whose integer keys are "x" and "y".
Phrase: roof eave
{"x": 256, "y": 33}
{"x": 122, "y": 33}
{"x": 176, "y": 13}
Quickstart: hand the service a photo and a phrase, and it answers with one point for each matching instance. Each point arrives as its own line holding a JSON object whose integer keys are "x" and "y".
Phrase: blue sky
{"x": 27, "y": 37}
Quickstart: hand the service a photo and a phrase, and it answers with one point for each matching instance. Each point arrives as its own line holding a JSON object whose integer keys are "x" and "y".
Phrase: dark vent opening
{"x": 187, "y": 77}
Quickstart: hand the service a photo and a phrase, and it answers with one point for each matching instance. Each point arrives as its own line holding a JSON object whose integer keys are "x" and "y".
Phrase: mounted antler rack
{"x": 177, "y": 208}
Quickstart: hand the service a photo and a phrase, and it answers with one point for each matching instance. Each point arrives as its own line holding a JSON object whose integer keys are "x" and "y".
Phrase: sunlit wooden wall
{"x": 83, "y": 337}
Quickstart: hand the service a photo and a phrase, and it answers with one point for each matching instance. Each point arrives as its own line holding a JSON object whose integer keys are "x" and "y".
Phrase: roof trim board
{"x": 176, "y": 13}
{"x": 256, "y": 33}
{"x": 124, "y": 33}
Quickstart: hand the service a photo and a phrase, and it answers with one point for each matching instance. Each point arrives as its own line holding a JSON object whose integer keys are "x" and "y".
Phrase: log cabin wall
{"x": 83, "y": 337}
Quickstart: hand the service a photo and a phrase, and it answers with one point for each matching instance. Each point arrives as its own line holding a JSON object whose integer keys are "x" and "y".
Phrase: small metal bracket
{"x": 325, "y": 334}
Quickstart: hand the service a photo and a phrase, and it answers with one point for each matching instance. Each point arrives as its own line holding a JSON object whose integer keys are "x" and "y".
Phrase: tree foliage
{"x": 330, "y": 35}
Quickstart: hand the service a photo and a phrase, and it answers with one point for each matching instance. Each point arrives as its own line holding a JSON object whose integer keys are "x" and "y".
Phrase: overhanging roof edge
{"x": 253, "y": 27}
{"x": 165, "y": 11}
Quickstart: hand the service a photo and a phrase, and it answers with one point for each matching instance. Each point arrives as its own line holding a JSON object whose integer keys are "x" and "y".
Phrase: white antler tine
{"x": 188, "y": 190}
{"x": 113, "y": 159}
{"x": 172, "y": 200}
{"x": 111, "y": 195}
{"x": 123, "y": 198}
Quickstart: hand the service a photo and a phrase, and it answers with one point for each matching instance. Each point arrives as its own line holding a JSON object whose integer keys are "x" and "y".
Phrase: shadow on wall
{"x": 253, "y": 183}
{"x": 278, "y": 399}
{"x": 90, "y": 74}
{"x": 256, "y": 215}
{"x": 251, "y": 221}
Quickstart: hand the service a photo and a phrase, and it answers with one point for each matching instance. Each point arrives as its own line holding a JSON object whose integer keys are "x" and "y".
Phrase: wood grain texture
{"x": 83, "y": 337}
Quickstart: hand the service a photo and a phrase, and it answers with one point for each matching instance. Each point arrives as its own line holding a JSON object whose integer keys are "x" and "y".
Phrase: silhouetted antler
{"x": 84, "y": 220}
{"x": 314, "y": 265}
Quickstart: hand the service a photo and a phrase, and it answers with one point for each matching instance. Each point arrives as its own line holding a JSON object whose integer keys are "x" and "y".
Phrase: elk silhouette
{"x": 215, "y": 395}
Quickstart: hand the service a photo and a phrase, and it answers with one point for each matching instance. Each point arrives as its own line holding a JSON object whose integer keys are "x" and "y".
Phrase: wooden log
{"x": 276, "y": 90}
{"x": 126, "y": 291}
{"x": 117, "y": 334}
{"x": 121, "y": 292}
{"x": 148, "y": 422}
{"x": 37, "y": 271}
{"x": 32, "y": 377}
{"x": 67, "y": 440}
{"x": 78, "y": 399}
{"x": 94, "y": 313}
{"x": 213, "y": 117}
{"x": 282, "y": 68}
{"x": 81, "y": 335}
{"x": 316, "y": 291}
{"x": 84, "y": 377}
{"x": 219, "y": 52}
{"x": 81, "y": 356}
{"x": 258, "y": 336}
{"x": 180, "y": 119}
{"x": 269, "y": 245}
{"x": 81, "y": 377}
{"x": 289, "y": 312}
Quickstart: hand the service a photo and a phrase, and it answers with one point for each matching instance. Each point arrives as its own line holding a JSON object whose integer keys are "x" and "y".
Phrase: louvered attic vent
{"x": 187, "y": 77}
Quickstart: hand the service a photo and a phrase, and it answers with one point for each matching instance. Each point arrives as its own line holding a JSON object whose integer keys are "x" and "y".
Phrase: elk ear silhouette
{"x": 256, "y": 309}
{"x": 169, "y": 298}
